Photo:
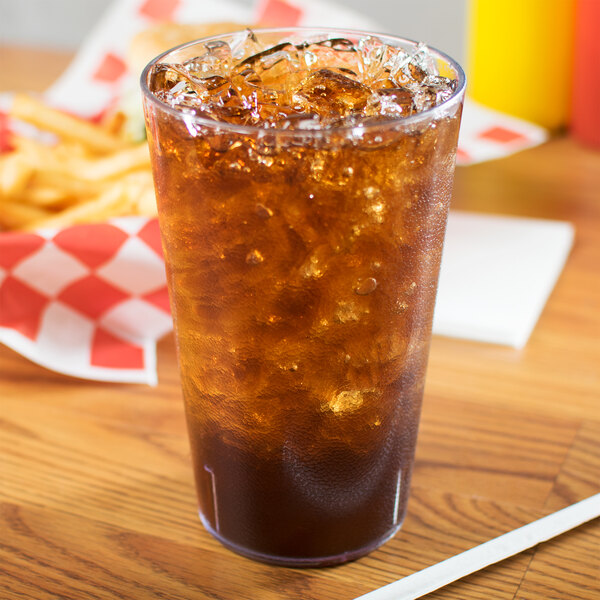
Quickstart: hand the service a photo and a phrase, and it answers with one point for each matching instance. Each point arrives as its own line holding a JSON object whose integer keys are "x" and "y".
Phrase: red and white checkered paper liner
{"x": 90, "y": 300}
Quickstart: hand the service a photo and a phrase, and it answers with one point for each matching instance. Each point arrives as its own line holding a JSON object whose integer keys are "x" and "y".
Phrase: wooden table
{"x": 96, "y": 492}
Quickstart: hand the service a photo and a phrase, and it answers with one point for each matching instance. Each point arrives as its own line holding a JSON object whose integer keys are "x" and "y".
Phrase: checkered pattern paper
{"x": 486, "y": 134}
{"x": 90, "y": 301}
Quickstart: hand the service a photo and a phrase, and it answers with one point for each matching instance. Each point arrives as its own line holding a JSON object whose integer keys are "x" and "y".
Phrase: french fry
{"x": 63, "y": 182}
{"x": 114, "y": 122}
{"x": 146, "y": 202}
{"x": 65, "y": 126}
{"x": 66, "y": 150}
{"x": 113, "y": 165}
{"x": 64, "y": 158}
{"x": 45, "y": 197}
{"x": 110, "y": 203}
{"x": 15, "y": 172}
{"x": 53, "y": 198}
{"x": 16, "y": 215}
{"x": 37, "y": 154}
{"x": 140, "y": 190}
{"x": 89, "y": 175}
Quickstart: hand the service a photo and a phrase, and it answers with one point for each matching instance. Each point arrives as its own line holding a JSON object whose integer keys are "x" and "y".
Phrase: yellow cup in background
{"x": 520, "y": 57}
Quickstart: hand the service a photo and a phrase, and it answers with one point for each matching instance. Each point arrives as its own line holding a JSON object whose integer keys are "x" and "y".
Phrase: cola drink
{"x": 303, "y": 181}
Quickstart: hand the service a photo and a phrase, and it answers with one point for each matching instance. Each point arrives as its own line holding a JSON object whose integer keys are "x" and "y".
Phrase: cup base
{"x": 297, "y": 562}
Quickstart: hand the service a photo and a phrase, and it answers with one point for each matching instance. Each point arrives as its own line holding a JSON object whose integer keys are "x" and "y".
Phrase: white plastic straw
{"x": 432, "y": 578}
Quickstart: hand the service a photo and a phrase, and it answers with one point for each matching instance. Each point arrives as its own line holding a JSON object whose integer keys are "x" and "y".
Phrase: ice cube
{"x": 253, "y": 94}
{"x": 233, "y": 112}
{"x": 395, "y": 102}
{"x": 442, "y": 86}
{"x": 245, "y": 44}
{"x": 344, "y": 402}
{"x": 339, "y": 44}
{"x": 412, "y": 68}
{"x": 376, "y": 57}
{"x": 329, "y": 93}
{"x": 424, "y": 97}
{"x": 376, "y": 212}
{"x": 284, "y": 54}
{"x": 316, "y": 263}
{"x": 423, "y": 60}
{"x": 216, "y": 60}
{"x": 314, "y": 84}
{"x": 334, "y": 53}
{"x": 173, "y": 84}
{"x": 346, "y": 312}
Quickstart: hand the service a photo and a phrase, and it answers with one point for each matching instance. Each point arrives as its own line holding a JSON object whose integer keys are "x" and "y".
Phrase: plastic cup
{"x": 302, "y": 266}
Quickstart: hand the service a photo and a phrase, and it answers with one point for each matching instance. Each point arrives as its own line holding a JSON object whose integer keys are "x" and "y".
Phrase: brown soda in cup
{"x": 303, "y": 180}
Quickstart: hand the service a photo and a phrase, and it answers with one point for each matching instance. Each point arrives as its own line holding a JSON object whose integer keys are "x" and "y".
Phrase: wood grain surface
{"x": 96, "y": 490}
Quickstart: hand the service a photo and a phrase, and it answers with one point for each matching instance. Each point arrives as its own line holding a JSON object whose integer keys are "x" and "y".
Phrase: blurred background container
{"x": 585, "y": 111}
{"x": 520, "y": 57}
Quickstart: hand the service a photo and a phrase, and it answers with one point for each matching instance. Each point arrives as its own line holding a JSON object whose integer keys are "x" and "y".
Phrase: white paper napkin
{"x": 497, "y": 273}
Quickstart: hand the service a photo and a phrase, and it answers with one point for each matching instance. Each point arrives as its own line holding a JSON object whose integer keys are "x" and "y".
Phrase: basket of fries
{"x": 86, "y": 174}
{"x": 82, "y": 283}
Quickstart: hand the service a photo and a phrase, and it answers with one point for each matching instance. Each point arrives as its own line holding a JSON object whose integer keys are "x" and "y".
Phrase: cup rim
{"x": 403, "y": 122}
